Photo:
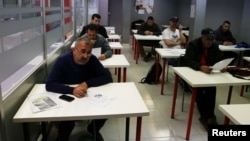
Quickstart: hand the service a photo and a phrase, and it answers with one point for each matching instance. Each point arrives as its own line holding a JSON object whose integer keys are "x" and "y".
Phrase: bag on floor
{"x": 151, "y": 75}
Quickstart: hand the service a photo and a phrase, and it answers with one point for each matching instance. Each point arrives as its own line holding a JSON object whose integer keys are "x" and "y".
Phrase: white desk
{"x": 114, "y": 38}
{"x": 246, "y": 58}
{"x": 186, "y": 32}
{"x": 138, "y": 37}
{"x": 117, "y": 61}
{"x": 116, "y": 46}
{"x": 118, "y": 108}
{"x": 165, "y": 53}
{"x": 199, "y": 79}
{"x": 237, "y": 113}
{"x": 234, "y": 49}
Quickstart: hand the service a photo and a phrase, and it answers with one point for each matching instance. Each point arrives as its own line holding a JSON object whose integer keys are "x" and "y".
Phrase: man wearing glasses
{"x": 78, "y": 66}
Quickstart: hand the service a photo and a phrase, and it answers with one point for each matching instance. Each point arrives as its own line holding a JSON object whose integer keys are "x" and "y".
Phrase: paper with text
{"x": 99, "y": 99}
{"x": 43, "y": 102}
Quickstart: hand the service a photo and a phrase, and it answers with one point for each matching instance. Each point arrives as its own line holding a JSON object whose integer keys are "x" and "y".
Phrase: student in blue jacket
{"x": 77, "y": 67}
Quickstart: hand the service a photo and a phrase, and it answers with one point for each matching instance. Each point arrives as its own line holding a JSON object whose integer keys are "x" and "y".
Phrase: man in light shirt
{"x": 173, "y": 37}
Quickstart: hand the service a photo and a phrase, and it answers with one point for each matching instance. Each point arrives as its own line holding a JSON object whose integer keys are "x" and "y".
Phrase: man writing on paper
{"x": 98, "y": 41}
{"x": 202, "y": 53}
{"x": 78, "y": 66}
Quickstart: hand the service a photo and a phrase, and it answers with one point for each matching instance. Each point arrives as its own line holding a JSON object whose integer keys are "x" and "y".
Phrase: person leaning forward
{"x": 201, "y": 53}
{"x": 80, "y": 67}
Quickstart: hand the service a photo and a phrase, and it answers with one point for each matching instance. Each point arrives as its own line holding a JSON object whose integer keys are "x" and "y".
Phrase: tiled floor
{"x": 158, "y": 126}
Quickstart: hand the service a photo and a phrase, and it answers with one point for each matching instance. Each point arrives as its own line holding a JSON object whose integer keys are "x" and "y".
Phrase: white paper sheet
{"x": 99, "y": 99}
{"x": 96, "y": 51}
{"x": 221, "y": 64}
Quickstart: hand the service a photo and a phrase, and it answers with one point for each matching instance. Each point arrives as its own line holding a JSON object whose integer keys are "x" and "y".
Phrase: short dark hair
{"x": 96, "y": 16}
{"x": 91, "y": 27}
{"x": 151, "y": 18}
{"x": 227, "y": 22}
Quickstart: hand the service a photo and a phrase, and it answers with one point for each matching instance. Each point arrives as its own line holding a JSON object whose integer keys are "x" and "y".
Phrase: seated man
{"x": 95, "y": 19}
{"x": 202, "y": 53}
{"x": 148, "y": 28}
{"x": 225, "y": 37}
{"x": 98, "y": 41}
{"x": 173, "y": 37}
{"x": 77, "y": 67}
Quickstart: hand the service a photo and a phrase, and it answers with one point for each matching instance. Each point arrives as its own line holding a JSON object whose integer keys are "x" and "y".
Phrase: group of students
{"x": 87, "y": 71}
{"x": 201, "y": 53}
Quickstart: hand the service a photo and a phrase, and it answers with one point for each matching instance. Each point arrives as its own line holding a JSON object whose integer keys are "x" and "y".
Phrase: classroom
{"x": 34, "y": 33}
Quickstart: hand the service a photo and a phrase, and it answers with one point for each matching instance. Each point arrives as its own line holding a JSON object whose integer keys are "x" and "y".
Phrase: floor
{"x": 158, "y": 126}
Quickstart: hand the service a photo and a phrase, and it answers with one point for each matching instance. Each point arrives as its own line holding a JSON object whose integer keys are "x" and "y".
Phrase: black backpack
{"x": 150, "y": 78}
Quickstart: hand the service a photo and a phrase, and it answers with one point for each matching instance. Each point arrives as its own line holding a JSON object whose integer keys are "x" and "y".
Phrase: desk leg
{"x": 174, "y": 95}
{"x": 242, "y": 90}
{"x": 191, "y": 110}
{"x": 229, "y": 94}
{"x": 226, "y": 120}
{"x": 124, "y": 74}
{"x": 156, "y": 70}
{"x": 127, "y": 129}
{"x": 26, "y": 132}
{"x": 133, "y": 42}
{"x": 43, "y": 125}
{"x": 136, "y": 51}
{"x": 119, "y": 74}
{"x": 163, "y": 75}
{"x": 138, "y": 129}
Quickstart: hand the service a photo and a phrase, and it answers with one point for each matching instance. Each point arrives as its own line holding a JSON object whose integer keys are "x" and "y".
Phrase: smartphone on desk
{"x": 66, "y": 98}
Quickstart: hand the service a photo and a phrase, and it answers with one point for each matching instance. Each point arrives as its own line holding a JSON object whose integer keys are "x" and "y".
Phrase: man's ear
{"x": 74, "y": 49}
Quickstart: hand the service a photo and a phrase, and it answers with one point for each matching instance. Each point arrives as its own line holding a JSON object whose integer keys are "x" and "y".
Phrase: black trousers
{"x": 205, "y": 100}
{"x": 65, "y": 128}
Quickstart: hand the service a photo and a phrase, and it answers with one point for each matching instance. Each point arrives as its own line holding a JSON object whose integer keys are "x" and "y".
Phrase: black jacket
{"x": 193, "y": 54}
{"x": 224, "y": 36}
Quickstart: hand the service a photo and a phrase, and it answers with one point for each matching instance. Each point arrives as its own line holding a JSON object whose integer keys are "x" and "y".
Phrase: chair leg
{"x": 167, "y": 71}
{"x": 242, "y": 90}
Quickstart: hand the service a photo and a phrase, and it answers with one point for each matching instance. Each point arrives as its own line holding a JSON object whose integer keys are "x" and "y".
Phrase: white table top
{"x": 200, "y": 79}
{"x": 170, "y": 53}
{"x": 114, "y": 36}
{"x": 186, "y": 32}
{"x": 116, "y": 60}
{"x": 115, "y": 45}
{"x": 246, "y": 58}
{"x": 147, "y": 37}
{"x": 237, "y": 113}
{"x": 134, "y": 31}
{"x": 127, "y": 103}
{"x": 232, "y": 48}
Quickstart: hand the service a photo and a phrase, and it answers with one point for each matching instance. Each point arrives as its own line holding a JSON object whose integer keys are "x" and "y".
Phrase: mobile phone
{"x": 66, "y": 98}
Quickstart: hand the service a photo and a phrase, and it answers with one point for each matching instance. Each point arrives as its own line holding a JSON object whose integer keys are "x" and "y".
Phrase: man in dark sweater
{"x": 95, "y": 19}
{"x": 148, "y": 28}
{"x": 77, "y": 67}
{"x": 202, "y": 53}
{"x": 225, "y": 37}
